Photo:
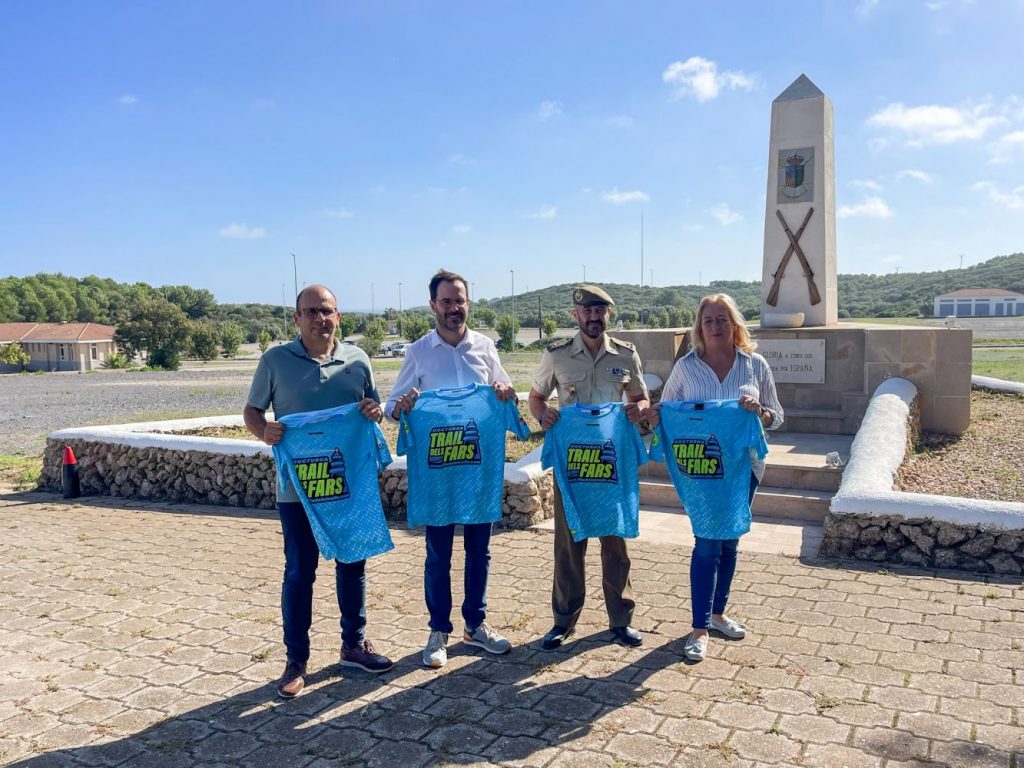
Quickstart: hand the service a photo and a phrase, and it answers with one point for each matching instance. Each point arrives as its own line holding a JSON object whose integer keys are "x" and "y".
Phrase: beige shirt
{"x": 567, "y": 366}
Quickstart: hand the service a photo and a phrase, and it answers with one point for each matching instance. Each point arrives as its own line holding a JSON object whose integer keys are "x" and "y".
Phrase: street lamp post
{"x": 295, "y": 273}
{"x": 399, "y": 298}
{"x": 584, "y": 273}
{"x": 513, "y": 273}
{"x": 372, "y": 304}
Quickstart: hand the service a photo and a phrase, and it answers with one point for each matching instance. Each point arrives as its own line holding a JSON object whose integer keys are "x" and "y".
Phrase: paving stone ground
{"x": 147, "y": 634}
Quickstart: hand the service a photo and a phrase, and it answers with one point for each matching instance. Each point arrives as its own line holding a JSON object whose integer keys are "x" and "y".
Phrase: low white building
{"x": 60, "y": 346}
{"x": 980, "y": 302}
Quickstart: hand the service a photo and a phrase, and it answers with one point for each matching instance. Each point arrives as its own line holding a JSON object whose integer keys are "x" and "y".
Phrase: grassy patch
{"x": 1007, "y": 364}
{"x": 22, "y": 472}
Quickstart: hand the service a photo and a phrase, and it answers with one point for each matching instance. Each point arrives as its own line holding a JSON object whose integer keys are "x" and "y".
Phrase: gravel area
{"x": 983, "y": 463}
{"x": 36, "y": 404}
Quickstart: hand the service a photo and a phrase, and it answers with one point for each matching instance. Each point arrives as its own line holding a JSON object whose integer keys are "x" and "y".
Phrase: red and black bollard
{"x": 72, "y": 486}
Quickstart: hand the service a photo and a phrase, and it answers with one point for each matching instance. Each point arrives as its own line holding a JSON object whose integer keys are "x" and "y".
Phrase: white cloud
{"x": 891, "y": 258}
{"x": 724, "y": 214}
{"x": 586, "y": 190}
{"x": 868, "y": 208}
{"x": 549, "y": 109}
{"x": 128, "y": 99}
{"x": 700, "y": 78}
{"x": 865, "y": 8}
{"x": 545, "y": 212}
{"x": 462, "y": 229}
{"x": 693, "y": 227}
{"x": 620, "y": 121}
{"x": 338, "y": 213}
{"x": 935, "y": 124}
{"x": 874, "y": 186}
{"x": 911, "y": 173}
{"x": 1008, "y": 148}
{"x": 1013, "y": 199}
{"x": 615, "y": 197}
{"x": 459, "y": 159}
{"x": 237, "y": 231}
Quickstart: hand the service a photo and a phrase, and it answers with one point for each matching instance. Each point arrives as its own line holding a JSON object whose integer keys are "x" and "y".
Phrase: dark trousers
{"x": 437, "y": 577}
{"x": 711, "y": 570}
{"x": 569, "y": 589}
{"x": 301, "y": 557}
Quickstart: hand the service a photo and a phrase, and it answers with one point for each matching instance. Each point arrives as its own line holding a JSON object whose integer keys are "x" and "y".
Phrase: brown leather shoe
{"x": 364, "y": 657}
{"x": 291, "y": 683}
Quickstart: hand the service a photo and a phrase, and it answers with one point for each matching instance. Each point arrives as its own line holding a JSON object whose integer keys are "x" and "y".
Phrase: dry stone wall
{"x": 212, "y": 477}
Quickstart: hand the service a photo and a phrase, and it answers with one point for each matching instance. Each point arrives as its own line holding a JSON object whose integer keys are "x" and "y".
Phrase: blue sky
{"x": 202, "y": 143}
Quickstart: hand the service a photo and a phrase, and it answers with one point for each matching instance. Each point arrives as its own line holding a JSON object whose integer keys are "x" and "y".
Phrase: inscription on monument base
{"x": 795, "y": 361}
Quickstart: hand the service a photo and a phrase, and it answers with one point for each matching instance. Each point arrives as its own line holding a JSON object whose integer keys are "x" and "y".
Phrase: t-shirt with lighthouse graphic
{"x": 454, "y": 439}
{"x": 595, "y": 451}
{"x": 332, "y": 458}
{"x": 708, "y": 445}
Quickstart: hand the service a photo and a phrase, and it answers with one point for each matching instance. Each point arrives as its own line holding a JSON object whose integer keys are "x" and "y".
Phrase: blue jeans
{"x": 711, "y": 570}
{"x": 301, "y": 557}
{"x": 437, "y": 580}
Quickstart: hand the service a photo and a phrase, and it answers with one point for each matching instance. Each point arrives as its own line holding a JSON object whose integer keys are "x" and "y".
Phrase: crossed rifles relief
{"x": 794, "y": 247}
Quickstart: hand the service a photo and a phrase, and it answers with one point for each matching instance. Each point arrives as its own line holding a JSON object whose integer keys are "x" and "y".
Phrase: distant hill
{"x": 906, "y": 294}
{"x": 59, "y": 298}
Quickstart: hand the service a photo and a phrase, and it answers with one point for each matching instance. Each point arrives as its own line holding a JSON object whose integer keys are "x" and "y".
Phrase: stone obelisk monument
{"x": 798, "y": 284}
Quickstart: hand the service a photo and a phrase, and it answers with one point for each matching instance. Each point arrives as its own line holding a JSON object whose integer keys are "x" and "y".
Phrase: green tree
{"x": 508, "y": 328}
{"x": 373, "y": 335}
{"x": 14, "y": 354}
{"x": 346, "y": 326}
{"x": 414, "y": 327}
{"x": 194, "y": 302}
{"x": 203, "y": 340}
{"x": 485, "y": 315}
{"x": 550, "y": 326}
{"x": 231, "y": 338}
{"x": 264, "y": 341}
{"x": 157, "y": 327}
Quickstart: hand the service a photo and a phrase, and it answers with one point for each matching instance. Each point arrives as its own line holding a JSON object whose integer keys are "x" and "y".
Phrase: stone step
{"x": 770, "y": 501}
{"x": 814, "y": 420}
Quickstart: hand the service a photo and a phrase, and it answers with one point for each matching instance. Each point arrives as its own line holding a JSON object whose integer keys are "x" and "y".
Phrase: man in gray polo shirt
{"x": 313, "y": 372}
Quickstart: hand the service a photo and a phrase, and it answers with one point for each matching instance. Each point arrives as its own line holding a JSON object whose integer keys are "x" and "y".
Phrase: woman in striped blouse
{"x": 721, "y": 365}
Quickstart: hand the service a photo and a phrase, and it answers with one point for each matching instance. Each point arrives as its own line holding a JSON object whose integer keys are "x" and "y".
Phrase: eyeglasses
{"x": 449, "y": 303}
{"x": 313, "y": 313}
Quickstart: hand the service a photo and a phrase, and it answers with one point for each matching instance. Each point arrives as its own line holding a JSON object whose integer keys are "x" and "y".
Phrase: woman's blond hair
{"x": 740, "y": 335}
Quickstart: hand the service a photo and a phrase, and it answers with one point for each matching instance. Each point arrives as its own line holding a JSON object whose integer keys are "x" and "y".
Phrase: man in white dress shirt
{"x": 452, "y": 355}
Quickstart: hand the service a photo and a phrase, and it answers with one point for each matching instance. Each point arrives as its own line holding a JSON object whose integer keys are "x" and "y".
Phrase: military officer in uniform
{"x": 591, "y": 367}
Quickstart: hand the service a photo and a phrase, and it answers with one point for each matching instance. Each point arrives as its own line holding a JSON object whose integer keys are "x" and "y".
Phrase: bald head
{"x": 318, "y": 290}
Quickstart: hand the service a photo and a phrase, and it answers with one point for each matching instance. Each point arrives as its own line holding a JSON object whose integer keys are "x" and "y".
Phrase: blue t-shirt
{"x": 332, "y": 458}
{"x": 455, "y": 441}
{"x": 710, "y": 445}
{"x": 595, "y": 453}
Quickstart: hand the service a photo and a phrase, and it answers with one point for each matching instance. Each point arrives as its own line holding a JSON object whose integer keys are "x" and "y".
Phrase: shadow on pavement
{"x": 488, "y": 708}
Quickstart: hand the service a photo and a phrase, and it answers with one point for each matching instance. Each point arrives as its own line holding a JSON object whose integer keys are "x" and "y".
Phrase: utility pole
{"x": 372, "y": 305}
{"x": 513, "y": 273}
{"x": 640, "y": 320}
{"x": 284, "y": 311}
{"x": 295, "y": 274}
{"x": 540, "y": 320}
{"x": 584, "y": 273}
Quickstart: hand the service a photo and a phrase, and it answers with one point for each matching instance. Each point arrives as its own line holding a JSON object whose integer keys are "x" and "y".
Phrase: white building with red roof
{"x": 60, "y": 346}
{"x": 980, "y": 302}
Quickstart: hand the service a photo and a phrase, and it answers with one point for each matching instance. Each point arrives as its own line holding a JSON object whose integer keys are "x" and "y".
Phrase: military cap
{"x": 586, "y": 294}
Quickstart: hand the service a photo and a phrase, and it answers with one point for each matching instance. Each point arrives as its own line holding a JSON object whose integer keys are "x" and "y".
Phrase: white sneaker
{"x": 487, "y": 638}
{"x": 729, "y": 628}
{"x": 696, "y": 648}
{"x": 436, "y": 653}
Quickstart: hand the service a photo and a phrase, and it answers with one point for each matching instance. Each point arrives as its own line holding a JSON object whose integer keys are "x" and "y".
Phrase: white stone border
{"x": 876, "y": 456}
{"x": 997, "y": 385}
